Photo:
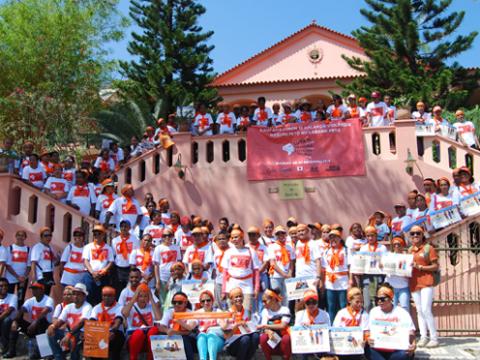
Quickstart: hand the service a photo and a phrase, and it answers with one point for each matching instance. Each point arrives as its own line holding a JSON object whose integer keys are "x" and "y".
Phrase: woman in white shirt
{"x": 444, "y": 197}
{"x": 399, "y": 283}
{"x": 210, "y": 338}
{"x": 311, "y": 314}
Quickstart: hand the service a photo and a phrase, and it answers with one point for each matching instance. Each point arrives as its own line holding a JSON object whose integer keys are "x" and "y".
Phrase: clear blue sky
{"x": 244, "y": 27}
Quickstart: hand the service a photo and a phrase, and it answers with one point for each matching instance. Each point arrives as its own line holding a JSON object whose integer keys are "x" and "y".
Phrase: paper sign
{"x": 470, "y": 205}
{"x": 309, "y": 339}
{"x": 167, "y": 347}
{"x": 296, "y": 287}
{"x": 249, "y": 327}
{"x": 97, "y": 334}
{"x": 445, "y": 217}
{"x": 448, "y": 132}
{"x": 44, "y": 345}
{"x": 425, "y": 130}
{"x": 389, "y": 335}
{"x": 274, "y": 339}
{"x": 397, "y": 264}
{"x": 365, "y": 262}
{"x": 193, "y": 289}
{"x": 292, "y": 190}
{"x": 346, "y": 340}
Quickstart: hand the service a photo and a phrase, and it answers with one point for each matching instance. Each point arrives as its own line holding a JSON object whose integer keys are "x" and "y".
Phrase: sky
{"x": 243, "y": 28}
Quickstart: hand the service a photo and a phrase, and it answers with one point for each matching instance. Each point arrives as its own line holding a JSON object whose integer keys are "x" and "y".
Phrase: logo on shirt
{"x": 36, "y": 311}
{"x": 19, "y": 256}
{"x": 169, "y": 256}
{"x": 240, "y": 261}
{"x": 137, "y": 321}
{"x": 131, "y": 211}
{"x": 76, "y": 257}
{"x": 73, "y": 319}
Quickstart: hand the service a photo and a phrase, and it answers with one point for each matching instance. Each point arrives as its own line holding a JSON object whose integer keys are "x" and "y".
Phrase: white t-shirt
{"x": 134, "y": 320}
{"x": 98, "y": 256}
{"x": 353, "y": 244}
{"x": 261, "y": 116}
{"x": 226, "y": 122}
{"x": 302, "y": 268}
{"x": 286, "y": 119}
{"x": 392, "y": 111}
{"x": 34, "y": 308}
{"x": 35, "y": 176}
{"x": 378, "y": 113}
{"x": 240, "y": 264}
{"x": 72, "y": 256}
{"x": 127, "y": 294}
{"x": 119, "y": 210}
{"x": 132, "y": 243}
{"x": 183, "y": 239}
{"x": 344, "y": 319}
{"x": 399, "y": 224}
{"x": 73, "y": 315}
{"x": 136, "y": 259}
{"x": 397, "y": 315}
{"x": 203, "y": 121}
{"x": 304, "y": 116}
{"x": 439, "y": 201}
{"x": 69, "y": 175}
{"x": 283, "y": 315}
{"x": 339, "y": 272}
{"x": 57, "y": 311}
{"x": 10, "y": 301}
{"x": 322, "y": 318}
{"x": 261, "y": 251}
{"x": 165, "y": 256}
{"x": 466, "y": 130}
{"x": 218, "y": 256}
{"x": 103, "y": 204}
{"x": 43, "y": 256}
{"x": 204, "y": 325}
{"x": 380, "y": 248}
{"x": 275, "y": 255}
{"x": 337, "y": 112}
{"x": 421, "y": 118}
{"x": 105, "y": 165}
{"x": 18, "y": 258}
{"x": 113, "y": 312}
{"x": 57, "y": 186}
{"x": 156, "y": 232}
{"x": 82, "y": 196}
{"x": 205, "y": 255}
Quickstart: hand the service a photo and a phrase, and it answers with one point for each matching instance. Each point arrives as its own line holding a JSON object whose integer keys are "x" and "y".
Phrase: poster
{"x": 193, "y": 289}
{"x": 425, "y": 130}
{"x": 364, "y": 262}
{"x": 97, "y": 335}
{"x": 167, "y": 347}
{"x": 390, "y": 335}
{"x": 43, "y": 345}
{"x": 310, "y": 150}
{"x": 397, "y": 264}
{"x": 346, "y": 340}
{"x": 470, "y": 205}
{"x": 296, "y": 287}
{"x": 309, "y": 339}
{"x": 445, "y": 217}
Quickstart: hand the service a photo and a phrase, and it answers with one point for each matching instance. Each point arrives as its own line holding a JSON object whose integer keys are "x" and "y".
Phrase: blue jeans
{"x": 209, "y": 345}
{"x": 279, "y": 283}
{"x": 402, "y": 298}
{"x": 336, "y": 300}
{"x": 265, "y": 284}
{"x": 245, "y": 346}
{"x": 57, "y": 350}
{"x": 374, "y": 354}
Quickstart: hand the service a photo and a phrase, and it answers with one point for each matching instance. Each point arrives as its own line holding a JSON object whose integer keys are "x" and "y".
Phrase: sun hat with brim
{"x": 99, "y": 227}
{"x": 279, "y": 228}
{"x": 335, "y": 233}
{"x": 79, "y": 287}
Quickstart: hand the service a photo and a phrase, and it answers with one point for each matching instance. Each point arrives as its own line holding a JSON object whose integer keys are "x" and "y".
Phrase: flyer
{"x": 296, "y": 287}
{"x": 470, "y": 205}
{"x": 167, "y": 347}
{"x": 309, "y": 339}
{"x": 445, "y": 217}
{"x": 425, "y": 130}
{"x": 389, "y": 335}
{"x": 43, "y": 345}
{"x": 365, "y": 262}
{"x": 193, "y": 289}
{"x": 397, "y": 264}
{"x": 274, "y": 339}
{"x": 96, "y": 339}
{"x": 346, "y": 340}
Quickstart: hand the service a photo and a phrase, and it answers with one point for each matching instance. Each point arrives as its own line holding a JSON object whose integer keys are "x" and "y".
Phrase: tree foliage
{"x": 408, "y": 44}
{"x": 172, "y": 55}
{"x": 53, "y": 65}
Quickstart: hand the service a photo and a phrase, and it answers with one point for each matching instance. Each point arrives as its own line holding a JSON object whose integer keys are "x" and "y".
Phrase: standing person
{"x": 243, "y": 121}
{"x": 240, "y": 269}
{"x": 262, "y": 114}
{"x": 104, "y": 162}
{"x": 380, "y": 221}
{"x": 43, "y": 260}
{"x": 82, "y": 195}
{"x": 125, "y": 207}
{"x": 412, "y": 204}
{"x": 287, "y": 117}
{"x": 377, "y": 111}
{"x": 183, "y": 235}
{"x": 111, "y": 311}
{"x": 39, "y": 309}
{"x": 422, "y": 283}
{"x": 156, "y": 228}
{"x": 282, "y": 262}
{"x": 267, "y": 237}
{"x": 353, "y": 244}
{"x": 275, "y": 318}
{"x": 8, "y": 307}
{"x": 306, "y": 254}
{"x": 399, "y": 283}
{"x": 56, "y": 186}
{"x": 123, "y": 245}
{"x": 69, "y": 170}
{"x": 335, "y": 267}
{"x": 142, "y": 259}
{"x": 337, "y": 110}
{"x": 354, "y": 110}
{"x": 421, "y": 116}
{"x": 275, "y": 114}
{"x": 199, "y": 250}
{"x": 164, "y": 256}
{"x": 18, "y": 266}
{"x": 34, "y": 173}
{"x": 164, "y": 208}
{"x": 222, "y": 245}
{"x": 465, "y": 185}
{"x": 73, "y": 316}
{"x": 303, "y": 114}
{"x": 203, "y": 122}
{"x": 401, "y": 221}
{"x": 98, "y": 259}
{"x": 465, "y": 130}
{"x": 444, "y": 197}
{"x": 105, "y": 199}
{"x": 209, "y": 340}
{"x": 430, "y": 188}
{"x": 392, "y": 109}
{"x": 226, "y": 119}
{"x": 72, "y": 267}
{"x": 262, "y": 254}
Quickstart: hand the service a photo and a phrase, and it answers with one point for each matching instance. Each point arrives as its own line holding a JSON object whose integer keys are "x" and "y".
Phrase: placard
{"x": 397, "y": 264}
{"x": 96, "y": 338}
{"x": 292, "y": 190}
{"x": 193, "y": 289}
{"x": 309, "y": 339}
{"x": 425, "y": 130}
{"x": 43, "y": 345}
{"x": 470, "y": 205}
{"x": 389, "y": 335}
{"x": 296, "y": 287}
{"x": 167, "y": 347}
{"x": 249, "y": 327}
{"x": 445, "y": 217}
{"x": 366, "y": 262}
{"x": 273, "y": 339}
{"x": 448, "y": 131}
{"x": 346, "y": 340}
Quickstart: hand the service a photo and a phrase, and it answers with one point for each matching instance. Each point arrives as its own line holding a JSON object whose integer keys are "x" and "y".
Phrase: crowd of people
{"x": 134, "y": 279}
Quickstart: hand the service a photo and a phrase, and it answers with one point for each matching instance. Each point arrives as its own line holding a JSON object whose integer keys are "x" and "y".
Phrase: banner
{"x": 397, "y": 264}
{"x": 309, "y": 339}
{"x": 445, "y": 217}
{"x": 298, "y": 151}
{"x": 389, "y": 335}
{"x": 364, "y": 262}
{"x": 167, "y": 347}
{"x": 470, "y": 205}
{"x": 197, "y": 315}
{"x": 296, "y": 287}
{"x": 193, "y": 289}
{"x": 346, "y": 341}
{"x": 97, "y": 336}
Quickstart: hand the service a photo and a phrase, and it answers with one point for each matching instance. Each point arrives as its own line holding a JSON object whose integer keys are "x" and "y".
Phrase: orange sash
{"x": 104, "y": 316}
{"x": 98, "y": 251}
{"x": 353, "y": 314}
{"x": 306, "y": 252}
{"x": 196, "y": 253}
{"x": 123, "y": 246}
{"x": 147, "y": 259}
{"x": 312, "y": 317}
{"x": 374, "y": 247}
{"x": 336, "y": 260}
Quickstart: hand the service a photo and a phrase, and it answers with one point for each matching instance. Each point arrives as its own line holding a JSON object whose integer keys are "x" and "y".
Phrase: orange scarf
{"x": 123, "y": 246}
{"x": 219, "y": 265}
{"x": 469, "y": 189}
{"x": 311, "y": 317}
{"x": 100, "y": 254}
{"x": 129, "y": 203}
{"x": 262, "y": 114}
{"x": 197, "y": 277}
{"x": 354, "y": 111}
{"x": 374, "y": 247}
{"x": 196, "y": 253}
{"x": 147, "y": 259}
{"x": 238, "y": 315}
{"x": 203, "y": 122}
{"x": 81, "y": 190}
{"x": 336, "y": 260}
{"x": 285, "y": 256}
{"x": 306, "y": 252}
{"x": 305, "y": 116}
{"x": 104, "y": 165}
{"x": 103, "y": 316}
{"x": 353, "y": 314}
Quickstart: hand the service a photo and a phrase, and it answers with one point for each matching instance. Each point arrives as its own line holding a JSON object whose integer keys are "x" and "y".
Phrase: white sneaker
{"x": 422, "y": 342}
{"x": 432, "y": 344}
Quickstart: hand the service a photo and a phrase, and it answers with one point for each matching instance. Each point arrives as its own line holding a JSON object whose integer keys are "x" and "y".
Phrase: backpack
{"x": 436, "y": 274}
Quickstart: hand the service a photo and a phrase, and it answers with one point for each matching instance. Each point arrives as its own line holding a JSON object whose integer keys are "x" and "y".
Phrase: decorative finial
{"x": 314, "y": 22}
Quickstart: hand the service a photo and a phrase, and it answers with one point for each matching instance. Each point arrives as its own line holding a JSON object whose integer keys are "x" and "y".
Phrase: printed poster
{"x": 470, "y": 205}
{"x": 309, "y": 339}
{"x": 365, "y": 262}
{"x": 97, "y": 336}
{"x": 425, "y": 130}
{"x": 167, "y": 347}
{"x": 445, "y": 217}
{"x": 296, "y": 287}
{"x": 346, "y": 340}
{"x": 397, "y": 264}
{"x": 193, "y": 289}
{"x": 390, "y": 335}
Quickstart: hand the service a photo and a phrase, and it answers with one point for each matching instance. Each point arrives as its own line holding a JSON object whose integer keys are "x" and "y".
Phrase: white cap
{"x": 81, "y": 287}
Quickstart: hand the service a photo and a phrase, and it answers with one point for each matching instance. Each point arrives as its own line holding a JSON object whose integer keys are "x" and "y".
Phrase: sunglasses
{"x": 206, "y": 301}
{"x": 47, "y": 235}
{"x": 415, "y": 233}
{"x": 311, "y": 302}
{"x": 177, "y": 302}
{"x": 381, "y": 298}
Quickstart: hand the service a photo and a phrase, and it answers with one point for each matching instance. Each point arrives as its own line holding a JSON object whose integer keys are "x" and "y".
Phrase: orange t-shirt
{"x": 421, "y": 279}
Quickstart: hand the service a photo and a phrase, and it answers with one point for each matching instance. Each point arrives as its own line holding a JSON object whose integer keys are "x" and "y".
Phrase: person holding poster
{"x": 444, "y": 197}
{"x": 140, "y": 316}
{"x": 392, "y": 332}
{"x": 110, "y": 311}
{"x": 306, "y": 254}
{"x": 354, "y": 242}
{"x": 275, "y": 319}
{"x": 466, "y": 186}
{"x": 164, "y": 256}
{"x": 262, "y": 252}
{"x": 399, "y": 283}
{"x": 72, "y": 267}
{"x": 169, "y": 326}
{"x": 401, "y": 221}
{"x": 371, "y": 282}
{"x": 142, "y": 259}
{"x": 199, "y": 250}
{"x": 335, "y": 268}
{"x": 210, "y": 338}
{"x": 311, "y": 314}
{"x": 422, "y": 283}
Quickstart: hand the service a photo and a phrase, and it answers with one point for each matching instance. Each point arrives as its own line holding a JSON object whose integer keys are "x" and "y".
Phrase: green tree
{"x": 172, "y": 59}
{"x": 53, "y": 63}
{"x": 408, "y": 44}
